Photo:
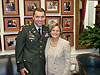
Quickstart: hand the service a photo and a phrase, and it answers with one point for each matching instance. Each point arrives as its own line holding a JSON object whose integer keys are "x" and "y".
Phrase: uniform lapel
{"x": 34, "y": 31}
{"x": 43, "y": 32}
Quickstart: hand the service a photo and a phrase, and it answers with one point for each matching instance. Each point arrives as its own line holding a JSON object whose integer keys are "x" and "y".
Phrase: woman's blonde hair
{"x": 53, "y": 25}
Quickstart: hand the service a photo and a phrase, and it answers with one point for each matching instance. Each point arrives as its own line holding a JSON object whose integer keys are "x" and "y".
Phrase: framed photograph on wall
{"x": 51, "y": 19}
{"x": 67, "y": 23}
{"x": 0, "y": 44}
{"x": 52, "y": 6}
{"x": 28, "y": 21}
{"x": 69, "y": 37}
{"x": 30, "y": 5}
{"x": 10, "y": 7}
{"x": 10, "y": 41}
{"x": 67, "y": 7}
{"x": 11, "y": 24}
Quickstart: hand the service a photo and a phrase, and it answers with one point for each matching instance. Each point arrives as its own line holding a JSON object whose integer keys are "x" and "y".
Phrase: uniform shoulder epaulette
{"x": 26, "y": 25}
{"x": 21, "y": 28}
{"x": 46, "y": 26}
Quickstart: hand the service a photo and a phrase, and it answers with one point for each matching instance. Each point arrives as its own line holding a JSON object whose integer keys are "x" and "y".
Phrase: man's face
{"x": 39, "y": 18}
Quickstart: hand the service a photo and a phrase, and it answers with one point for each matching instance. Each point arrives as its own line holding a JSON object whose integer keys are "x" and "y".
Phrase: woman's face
{"x": 55, "y": 32}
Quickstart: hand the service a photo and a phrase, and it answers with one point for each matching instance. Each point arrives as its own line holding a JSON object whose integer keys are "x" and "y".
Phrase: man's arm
{"x": 20, "y": 42}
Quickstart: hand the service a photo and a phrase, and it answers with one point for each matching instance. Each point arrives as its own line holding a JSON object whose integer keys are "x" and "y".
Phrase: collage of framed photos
{"x": 12, "y": 20}
{"x": 66, "y": 18}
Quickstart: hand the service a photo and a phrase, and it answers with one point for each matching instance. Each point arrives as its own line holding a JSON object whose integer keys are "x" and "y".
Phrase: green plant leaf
{"x": 90, "y": 37}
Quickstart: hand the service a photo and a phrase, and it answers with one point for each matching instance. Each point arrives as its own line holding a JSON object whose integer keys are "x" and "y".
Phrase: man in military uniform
{"x": 30, "y": 45}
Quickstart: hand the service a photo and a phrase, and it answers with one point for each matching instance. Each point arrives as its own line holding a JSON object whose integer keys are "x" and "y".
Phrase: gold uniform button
{"x": 17, "y": 61}
{"x": 40, "y": 46}
{"x": 40, "y": 51}
{"x": 40, "y": 41}
{"x": 24, "y": 60}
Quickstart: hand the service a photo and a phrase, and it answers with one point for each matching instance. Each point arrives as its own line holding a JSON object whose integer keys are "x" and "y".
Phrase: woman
{"x": 57, "y": 53}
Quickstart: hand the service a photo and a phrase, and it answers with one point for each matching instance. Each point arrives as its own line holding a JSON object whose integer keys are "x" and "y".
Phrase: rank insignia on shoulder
{"x": 27, "y": 24}
{"x": 47, "y": 25}
{"x": 21, "y": 29}
{"x": 46, "y": 35}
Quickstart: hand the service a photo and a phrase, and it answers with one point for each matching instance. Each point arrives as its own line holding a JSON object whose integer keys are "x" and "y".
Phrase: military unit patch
{"x": 21, "y": 29}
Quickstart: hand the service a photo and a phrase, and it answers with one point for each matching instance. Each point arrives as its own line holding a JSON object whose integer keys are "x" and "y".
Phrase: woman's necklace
{"x": 54, "y": 42}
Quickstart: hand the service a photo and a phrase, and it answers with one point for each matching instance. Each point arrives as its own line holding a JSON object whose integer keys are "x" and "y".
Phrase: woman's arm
{"x": 67, "y": 56}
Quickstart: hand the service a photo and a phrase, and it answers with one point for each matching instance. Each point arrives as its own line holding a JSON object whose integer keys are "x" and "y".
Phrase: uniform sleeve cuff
{"x": 20, "y": 66}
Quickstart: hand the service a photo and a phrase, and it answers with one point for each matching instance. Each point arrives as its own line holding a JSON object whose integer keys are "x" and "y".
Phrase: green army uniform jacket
{"x": 30, "y": 49}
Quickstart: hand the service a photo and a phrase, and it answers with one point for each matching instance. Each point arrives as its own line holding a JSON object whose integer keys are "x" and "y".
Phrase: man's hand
{"x": 22, "y": 71}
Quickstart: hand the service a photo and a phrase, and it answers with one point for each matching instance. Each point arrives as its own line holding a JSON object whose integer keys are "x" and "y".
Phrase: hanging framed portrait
{"x": 67, "y": 7}
{"x": 30, "y": 5}
{"x": 69, "y": 37}
{"x": 52, "y": 6}
{"x": 10, "y": 7}
{"x": 11, "y": 24}
{"x": 0, "y": 44}
{"x": 28, "y": 21}
{"x": 51, "y": 19}
{"x": 67, "y": 23}
{"x": 10, "y": 41}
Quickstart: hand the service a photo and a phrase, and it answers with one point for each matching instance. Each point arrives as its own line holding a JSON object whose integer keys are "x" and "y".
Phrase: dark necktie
{"x": 39, "y": 30}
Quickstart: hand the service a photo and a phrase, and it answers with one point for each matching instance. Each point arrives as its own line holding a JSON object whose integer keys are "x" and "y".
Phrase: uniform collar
{"x": 37, "y": 27}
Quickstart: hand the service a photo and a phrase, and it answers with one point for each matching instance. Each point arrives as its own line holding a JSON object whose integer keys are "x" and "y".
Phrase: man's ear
{"x": 45, "y": 17}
